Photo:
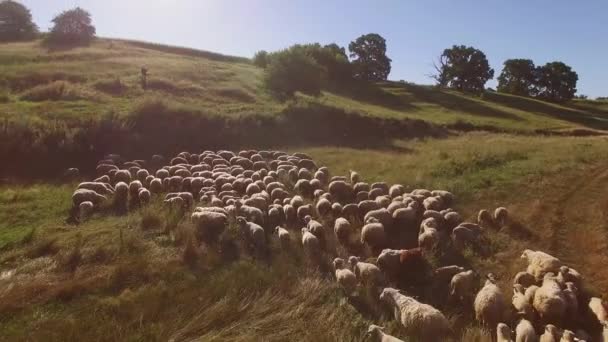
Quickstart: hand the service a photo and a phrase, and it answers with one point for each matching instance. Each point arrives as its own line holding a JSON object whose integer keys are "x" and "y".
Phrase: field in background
{"x": 136, "y": 278}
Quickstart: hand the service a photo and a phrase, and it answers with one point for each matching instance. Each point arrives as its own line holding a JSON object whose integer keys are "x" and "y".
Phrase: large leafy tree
{"x": 370, "y": 62}
{"x": 463, "y": 68}
{"x": 16, "y": 22}
{"x": 517, "y": 77}
{"x": 556, "y": 81}
{"x": 73, "y": 27}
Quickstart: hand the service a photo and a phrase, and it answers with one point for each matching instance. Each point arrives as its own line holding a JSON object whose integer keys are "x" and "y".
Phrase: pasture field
{"x": 138, "y": 277}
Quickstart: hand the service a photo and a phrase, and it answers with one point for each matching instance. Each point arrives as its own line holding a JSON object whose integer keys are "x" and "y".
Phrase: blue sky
{"x": 416, "y": 31}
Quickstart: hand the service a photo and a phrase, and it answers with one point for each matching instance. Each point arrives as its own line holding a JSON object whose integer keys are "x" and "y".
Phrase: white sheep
{"x": 382, "y": 215}
{"x": 489, "y": 303}
{"x": 420, "y": 320}
{"x": 368, "y": 274}
{"x": 144, "y": 196}
{"x": 549, "y": 300}
{"x": 284, "y": 237}
{"x": 462, "y": 285}
{"x": 433, "y": 203}
{"x": 373, "y": 234}
{"x": 254, "y": 234}
{"x": 598, "y": 307}
{"x": 85, "y": 195}
{"x": 98, "y": 187}
{"x": 209, "y": 224}
{"x": 85, "y": 209}
{"x": 376, "y": 334}
{"x": 567, "y": 274}
{"x": 501, "y": 216}
{"x": 345, "y": 277}
{"x": 568, "y": 336}
{"x": 444, "y": 274}
{"x": 524, "y": 332}
{"x": 540, "y": 263}
{"x": 521, "y": 303}
{"x": 484, "y": 218}
{"x": 252, "y": 214}
{"x": 396, "y": 190}
{"x": 551, "y": 334}
{"x": 571, "y": 296}
{"x": 343, "y": 230}
{"x": 122, "y": 176}
{"x": 503, "y": 333}
{"x": 525, "y": 279}
{"x": 428, "y": 236}
{"x": 311, "y": 244}
{"x": 323, "y": 207}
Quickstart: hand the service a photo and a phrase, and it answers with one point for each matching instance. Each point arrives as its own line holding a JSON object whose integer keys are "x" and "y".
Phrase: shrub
{"x": 293, "y": 70}
{"x": 112, "y": 86}
{"x": 72, "y": 28}
{"x": 56, "y": 91}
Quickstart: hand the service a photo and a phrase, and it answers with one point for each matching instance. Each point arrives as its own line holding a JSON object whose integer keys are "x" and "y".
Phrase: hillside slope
{"x": 137, "y": 276}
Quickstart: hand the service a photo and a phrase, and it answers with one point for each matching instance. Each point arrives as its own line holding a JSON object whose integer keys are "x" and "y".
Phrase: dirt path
{"x": 572, "y": 224}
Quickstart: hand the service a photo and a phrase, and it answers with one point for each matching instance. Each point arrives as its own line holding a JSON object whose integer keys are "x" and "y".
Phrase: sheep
{"x": 102, "y": 169}
{"x": 303, "y": 211}
{"x": 462, "y": 286}
{"x": 311, "y": 244}
{"x": 525, "y": 279}
{"x": 462, "y": 235}
{"x": 343, "y": 230}
{"x": 252, "y": 214}
{"x": 368, "y": 274}
{"x": 296, "y": 201}
{"x": 290, "y": 213}
{"x": 85, "y": 209}
{"x": 489, "y": 303}
{"x": 551, "y": 334}
{"x": 254, "y": 234}
{"x": 501, "y": 216}
{"x": 446, "y": 197}
{"x": 341, "y": 191}
{"x": 540, "y": 263}
{"x": 568, "y": 336}
{"x": 98, "y": 187}
{"x": 444, "y": 274}
{"x": 484, "y": 218}
{"x": 419, "y": 320}
{"x": 144, "y": 196}
{"x": 323, "y": 207}
{"x": 382, "y": 215}
{"x": 396, "y": 190}
{"x": 521, "y": 303}
{"x": 549, "y": 300}
{"x": 377, "y": 335}
{"x": 373, "y": 234}
{"x": 367, "y": 206}
{"x": 428, "y": 236}
{"x": 103, "y": 179}
{"x": 452, "y": 219}
{"x": 134, "y": 187}
{"x": 524, "y": 332}
{"x": 503, "y": 333}
{"x": 570, "y": 275}
{"x": 85, "y": 195}
{"x": 433, "y": 203}
{"x": 345, "y": 277}
{"x": 186, "y": 196}
{"x": 315, "y": 227}
{"x": 283, "y": 236}
{"x": 209, "y": 224}
{"x": 122, "y": 176}
{"x": 354, "y": 177}
{"x": 599, "y": 309}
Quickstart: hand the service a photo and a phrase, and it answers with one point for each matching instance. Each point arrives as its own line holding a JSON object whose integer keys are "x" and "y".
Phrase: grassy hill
{"x": 129, "y": 277}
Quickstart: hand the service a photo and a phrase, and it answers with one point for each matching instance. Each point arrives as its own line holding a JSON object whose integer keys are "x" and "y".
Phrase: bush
{"x": 56, "y": 91}
{"x": 112, "y": 87}
{"x": 293, "y": 70}
{"x": 72, "y": 28}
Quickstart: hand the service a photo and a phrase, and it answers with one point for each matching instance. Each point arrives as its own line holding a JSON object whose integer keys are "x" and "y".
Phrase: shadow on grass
{"x": 576, "y": 115}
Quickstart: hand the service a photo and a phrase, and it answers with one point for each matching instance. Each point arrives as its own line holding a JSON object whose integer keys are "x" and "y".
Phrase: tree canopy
{"x": 518, "y": 77}
{"x": 72, "y": 27}
{"x": 463, "y": 68}
{"x": 370, "y": 62}
{"x": 556, "y": 81}
{"x": 16, "y": 22}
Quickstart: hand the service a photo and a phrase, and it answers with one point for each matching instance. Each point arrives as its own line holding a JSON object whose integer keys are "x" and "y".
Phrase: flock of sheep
{"x": 379, "y": 237}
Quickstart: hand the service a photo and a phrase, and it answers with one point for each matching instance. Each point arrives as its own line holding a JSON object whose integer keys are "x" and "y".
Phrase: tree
{"x": 73, "y": 27}
{"x": 16, "y": 22}
{"x": 518, "y": 77}
{"x": 464, "y": 68}
{"x": 333, "y": 58}
{"x": 556, "y": 81}
{"x": 260, "y": 59}
{"x": 370, "y": 62}
{"x": 292, "y": 70}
